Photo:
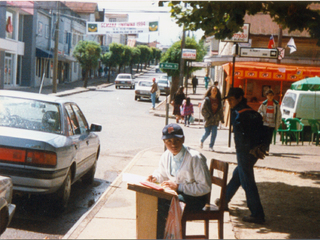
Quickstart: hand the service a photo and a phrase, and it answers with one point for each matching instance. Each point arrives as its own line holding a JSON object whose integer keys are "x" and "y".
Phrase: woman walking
{"x": 178, "y": 98}
{"x": 212, "y": 112}
{"x": 187, "y": 111}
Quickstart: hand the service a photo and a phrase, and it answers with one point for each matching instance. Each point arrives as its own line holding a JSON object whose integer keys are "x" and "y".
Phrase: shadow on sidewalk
{"x": 291, "y": 212}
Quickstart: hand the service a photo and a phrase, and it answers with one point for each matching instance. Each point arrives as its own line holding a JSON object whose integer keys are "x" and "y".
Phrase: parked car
{"x": 164, "y": 86}
{"x": 124, "y": 80}
{"x": 7, "y": 209}
{"x": 46, "y": 144}
{"x": 143, "y": 90}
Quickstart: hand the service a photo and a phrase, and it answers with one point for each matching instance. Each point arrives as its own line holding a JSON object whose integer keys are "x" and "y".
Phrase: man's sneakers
{"x": 251, "y": 219}
{"x": 201, "y": 144}
{"x": 211, "y": 149}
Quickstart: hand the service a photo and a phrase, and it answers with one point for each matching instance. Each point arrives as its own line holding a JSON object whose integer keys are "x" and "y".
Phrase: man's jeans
{"x": 243, "y": 175}
{"x": 153, "y": 99}
{"x": 210, "y": 129}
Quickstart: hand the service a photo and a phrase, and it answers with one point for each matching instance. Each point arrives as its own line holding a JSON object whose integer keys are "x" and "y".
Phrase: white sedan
{"x": 143, "y": 90}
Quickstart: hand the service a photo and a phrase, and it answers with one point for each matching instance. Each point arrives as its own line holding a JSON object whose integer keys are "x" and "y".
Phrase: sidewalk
{"x": 288, "y": 182}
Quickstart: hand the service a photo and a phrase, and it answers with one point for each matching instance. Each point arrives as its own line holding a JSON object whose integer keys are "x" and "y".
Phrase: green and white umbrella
{"x": 312, "y": 84}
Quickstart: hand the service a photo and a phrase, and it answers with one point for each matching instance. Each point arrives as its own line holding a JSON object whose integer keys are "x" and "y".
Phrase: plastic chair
{"x": 283, "y": 129}
{"x": 295, "y": 130}
{"x": 210, "y": 211}
{"x": 315, "y": 130}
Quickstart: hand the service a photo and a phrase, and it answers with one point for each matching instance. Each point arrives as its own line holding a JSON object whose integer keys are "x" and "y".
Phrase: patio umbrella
{"x": 312, "y": 84}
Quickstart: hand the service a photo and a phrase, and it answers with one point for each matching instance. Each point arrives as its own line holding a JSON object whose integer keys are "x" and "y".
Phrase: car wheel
{"x": 88, "y": 178}
{"x": 63, "y": 194}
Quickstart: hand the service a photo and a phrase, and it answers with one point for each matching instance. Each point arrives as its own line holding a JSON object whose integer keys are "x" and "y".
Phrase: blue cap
{"x": 172, "y": 130}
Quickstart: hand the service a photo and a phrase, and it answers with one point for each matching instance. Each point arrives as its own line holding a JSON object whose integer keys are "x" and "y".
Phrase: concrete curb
{"x": 81, "y": 224}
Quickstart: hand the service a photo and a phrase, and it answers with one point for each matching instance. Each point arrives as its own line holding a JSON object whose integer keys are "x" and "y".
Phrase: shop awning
{"x": 270, "y": 71}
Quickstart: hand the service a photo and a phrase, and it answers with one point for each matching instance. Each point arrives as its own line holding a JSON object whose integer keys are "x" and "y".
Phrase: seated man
{"x": 181, "y": 169}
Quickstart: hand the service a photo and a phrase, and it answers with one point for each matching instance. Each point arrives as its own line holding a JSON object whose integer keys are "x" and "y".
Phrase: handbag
{"x": 191, "y": 119}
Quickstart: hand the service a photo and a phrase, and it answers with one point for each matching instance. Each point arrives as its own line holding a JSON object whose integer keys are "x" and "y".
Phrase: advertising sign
{"x": 242, "y": 36}
{"x": 121, "y": 27}
{"x": 189, "y": 54}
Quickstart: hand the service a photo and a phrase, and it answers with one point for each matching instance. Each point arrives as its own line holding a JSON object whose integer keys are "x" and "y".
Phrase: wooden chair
{"x": 210, "y": 211}
{"x": 315, "y": 130}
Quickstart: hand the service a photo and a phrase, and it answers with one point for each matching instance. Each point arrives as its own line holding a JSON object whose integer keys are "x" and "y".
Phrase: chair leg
{"x": 206, "y": 228}
{"x": 220, "y": 228}
{"x": 183, "y": 228}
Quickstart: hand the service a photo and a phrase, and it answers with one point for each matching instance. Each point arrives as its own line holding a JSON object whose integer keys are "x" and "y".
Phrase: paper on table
{"x": 133, "y": 178}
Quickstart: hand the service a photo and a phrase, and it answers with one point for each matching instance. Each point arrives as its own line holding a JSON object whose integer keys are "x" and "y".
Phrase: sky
{"x": 147, "y": 10}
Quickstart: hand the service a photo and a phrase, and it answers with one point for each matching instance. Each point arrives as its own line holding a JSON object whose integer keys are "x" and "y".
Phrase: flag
{"x": 291, "y": 45}
{"x": 271, "y": 42}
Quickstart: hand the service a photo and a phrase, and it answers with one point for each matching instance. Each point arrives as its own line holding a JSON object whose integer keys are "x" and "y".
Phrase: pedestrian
{"x": 194, "y": 84}
{"x": 212, "y": 111}
{"x": 153, "y": 91}
{"x": 271, "y": 114}
{"x": 183, "y": 170}
{"x": 187, "y": 111}
{"x": 248, "y": 129}
{"x": 178, "y": 98}
{"x": 206, "y": 81}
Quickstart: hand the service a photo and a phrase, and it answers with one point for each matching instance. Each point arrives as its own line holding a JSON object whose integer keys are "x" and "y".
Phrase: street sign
{"x": 199, "y": 64}
{"x": 259, "y": 52}
{"x": 172, "y": 66}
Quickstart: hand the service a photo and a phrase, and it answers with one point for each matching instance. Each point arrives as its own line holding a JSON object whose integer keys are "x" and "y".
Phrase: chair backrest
{"x": 294, "y": 123}
{"x": 219, "y": 179}
{"x": 314, "y": 124}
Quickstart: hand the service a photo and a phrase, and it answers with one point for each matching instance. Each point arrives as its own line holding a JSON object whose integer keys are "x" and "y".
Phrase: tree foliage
{"x": 87, "y": 53}
{"x": 173, "y": 55}
{"x": 224, "y": 18}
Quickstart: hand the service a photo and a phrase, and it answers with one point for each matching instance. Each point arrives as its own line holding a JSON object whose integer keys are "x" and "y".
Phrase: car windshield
{"x": 163, "y": 82}
{"x": 29, "y": 114}
{"x": 124, "y": 77}
{"x": 145, "y": 84}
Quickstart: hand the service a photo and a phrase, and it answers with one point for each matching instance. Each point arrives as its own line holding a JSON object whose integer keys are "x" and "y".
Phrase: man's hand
{"x": 259, "y": 151}
{"x": 170, "y": 185}
{"x": 151, "y": 178}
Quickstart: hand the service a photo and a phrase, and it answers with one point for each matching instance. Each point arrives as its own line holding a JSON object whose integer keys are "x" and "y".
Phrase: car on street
{"x": 164, "y": 86}
{"x": 46, "y": 144}
{"x": 143, "y": 90}
{"x": 7, "y": 209}
{"x": 124, "y": 80}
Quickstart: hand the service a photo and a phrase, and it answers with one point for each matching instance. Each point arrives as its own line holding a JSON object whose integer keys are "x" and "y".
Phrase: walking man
{"x": 153, "y": 91}
{"x": 194, "y": 84}
{"x": 248, "y": 132}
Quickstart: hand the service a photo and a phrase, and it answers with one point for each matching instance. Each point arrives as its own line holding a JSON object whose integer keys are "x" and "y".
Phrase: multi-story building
{"x": 117, "y": 38}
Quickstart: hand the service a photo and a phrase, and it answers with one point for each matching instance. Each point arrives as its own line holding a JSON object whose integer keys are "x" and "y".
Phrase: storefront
{"x": 257, "y": 77}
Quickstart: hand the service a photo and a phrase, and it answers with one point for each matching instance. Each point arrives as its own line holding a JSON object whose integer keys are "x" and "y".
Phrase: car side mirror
{"x": 95, "y": 128}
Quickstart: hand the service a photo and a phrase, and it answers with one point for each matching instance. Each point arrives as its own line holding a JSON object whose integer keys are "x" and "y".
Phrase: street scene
{"x": 109, "y": 114}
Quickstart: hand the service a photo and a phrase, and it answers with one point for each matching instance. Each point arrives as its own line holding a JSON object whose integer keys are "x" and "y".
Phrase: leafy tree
{"x": 109, "y": 60}
{"x": 87, "y": 53}
{"x": 157, "y": 54}
{"x": 145, "y": 53}
{"x": 126, "y": 57}
{"x": 135, "y": 57}
{"x": 117, "y": 54}
{"x": 173, "y": 55}
{"x": 224, "y": 18}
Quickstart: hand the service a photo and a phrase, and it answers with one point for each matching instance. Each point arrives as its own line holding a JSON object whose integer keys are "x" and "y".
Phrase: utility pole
{"x": 279, "y": 41}
{"x": 55, "y": 56}
{"x": 181, "y": 74}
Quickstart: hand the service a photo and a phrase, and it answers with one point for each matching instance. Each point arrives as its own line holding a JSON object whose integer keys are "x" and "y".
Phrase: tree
{"x": 108, "y": 60}
{"x": 126, "y": 57}
{"x": 117, "y": 54}
{"x": 135, "y": 57}
{"x": 145, "y": 53}
{"x": 87, "y": 53}
{"x": 222, "y": 19}
{"x": 157, "y": 54}
{"x": 173, "y": 55}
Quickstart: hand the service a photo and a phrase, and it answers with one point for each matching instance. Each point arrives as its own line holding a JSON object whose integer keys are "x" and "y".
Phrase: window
{"x": 75, "y": 67}
{"x": 9, "y": 25}
{"x": 74, "y": 39}
{"x": 83, "y": 124}
{"x": 40, "y": 28}
{"x": 73, "y": 121}
{"x": 47, "y": 31}
{"x": 66, "y": 36}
